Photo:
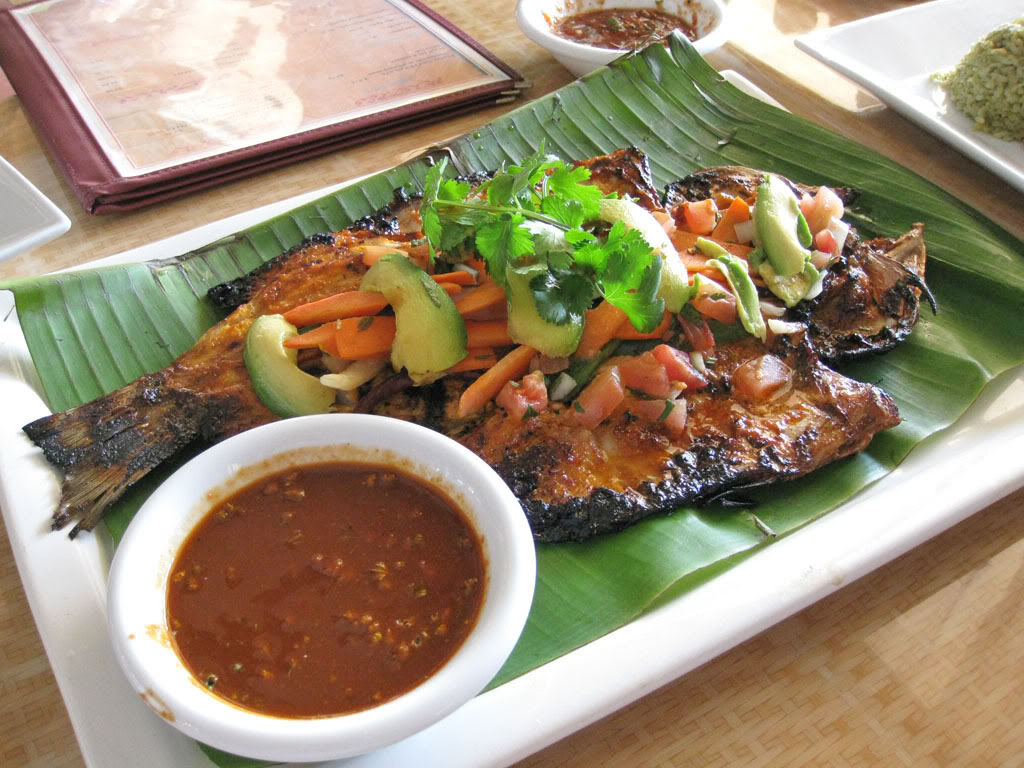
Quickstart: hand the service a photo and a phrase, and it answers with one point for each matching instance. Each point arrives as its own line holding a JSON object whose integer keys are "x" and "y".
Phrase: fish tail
{"x": 106, "y": 445}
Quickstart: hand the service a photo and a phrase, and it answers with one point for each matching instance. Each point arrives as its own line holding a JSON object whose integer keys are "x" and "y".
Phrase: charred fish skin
{"x": 728, "y": 444}
{"x": 734, "y": 180}
{"x": 871, "y": 299}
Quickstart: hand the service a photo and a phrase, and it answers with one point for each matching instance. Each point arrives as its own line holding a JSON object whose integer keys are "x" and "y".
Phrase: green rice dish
{"x": 988, "y": 83}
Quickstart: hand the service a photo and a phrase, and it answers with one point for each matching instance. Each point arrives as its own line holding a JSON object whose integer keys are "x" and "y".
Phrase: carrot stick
{"x": 483, "y": 390}
{"x": 355, "y": 304}
{"x": 451, "y": 288}
{"x": 460, "y": 277}
{"x": 486, "y": 295}
{"x": 487, "y": 333}
{"x": 312, "y": 338}
{"x": 684, "y": 241}
{"x": 737, "y": 211}
{"x": 476, "y": 359}
{"x": 627, "y": 331}
{"x": 373, "y": 253}
{"x": 361, "y": 337}
{"x": 599, "y": 327}
{"x": 348, "y": 304}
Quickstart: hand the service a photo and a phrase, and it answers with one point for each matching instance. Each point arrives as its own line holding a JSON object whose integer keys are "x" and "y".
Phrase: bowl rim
{"x": 530, "y": 18}
{"x": 141, "y": 565}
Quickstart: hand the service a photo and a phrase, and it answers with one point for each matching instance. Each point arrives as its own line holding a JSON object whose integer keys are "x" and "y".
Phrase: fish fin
{"x": 106, "y": 445}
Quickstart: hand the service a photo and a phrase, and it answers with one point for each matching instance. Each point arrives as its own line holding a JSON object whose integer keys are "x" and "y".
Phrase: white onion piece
{"x": 768, "y": 309}
{"x": 840, "y": 230}
{"x": 815, "y": 289}
{"x": 745, "y": 231}
{"x": 820, "y": 259}
{"x": 697, "y": 358}
{"x": 781, "y": 327}
{"x": 562, "y": 387}
{"x": 354, "y": 375}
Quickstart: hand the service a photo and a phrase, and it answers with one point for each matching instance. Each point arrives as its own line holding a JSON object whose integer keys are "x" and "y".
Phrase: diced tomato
{"x": 700, "y": 217}
{"x": 678, "y": 366}
{"x": 825, "y": 241}
{"x": 699, "y": 336}
{"x": 645, "y": 374}
{"x": 666, "y": 221}
{"x": 654, "y": 411}
{"x": 760, "y": 378}
{"x": 600, "y": 397}
{"x": 818, "y": 210}
{"x": 714, "y": 300}
{"x": 518, "y": 397}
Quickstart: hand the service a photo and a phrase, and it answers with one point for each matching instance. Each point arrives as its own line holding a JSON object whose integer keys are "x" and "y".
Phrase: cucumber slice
{"x": 275, "y": 376}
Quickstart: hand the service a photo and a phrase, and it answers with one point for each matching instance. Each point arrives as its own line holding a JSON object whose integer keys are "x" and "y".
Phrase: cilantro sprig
{"x": 539, "y": 212}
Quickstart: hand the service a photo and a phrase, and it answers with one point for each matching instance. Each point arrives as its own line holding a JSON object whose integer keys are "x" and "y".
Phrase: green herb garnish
{"x": 537, "y": 213}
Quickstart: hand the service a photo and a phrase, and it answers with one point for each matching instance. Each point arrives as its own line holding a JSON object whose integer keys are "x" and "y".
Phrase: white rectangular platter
{"x": 894, "y": 55}
{"x": 65, "y": 581}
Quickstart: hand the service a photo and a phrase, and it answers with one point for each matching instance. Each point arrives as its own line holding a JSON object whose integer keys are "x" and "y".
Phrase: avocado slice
{"x": 430, "y": 335}
{"x": 276, "y": 378}
{"x": 525, "y": 324}
{"x": 675, "y": 281}
{"x": 792, "y": 289}
{"x": 777, "y": 220}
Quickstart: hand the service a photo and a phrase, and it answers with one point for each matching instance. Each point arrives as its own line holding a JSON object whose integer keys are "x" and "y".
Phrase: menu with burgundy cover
{"x": 142, "y": 101}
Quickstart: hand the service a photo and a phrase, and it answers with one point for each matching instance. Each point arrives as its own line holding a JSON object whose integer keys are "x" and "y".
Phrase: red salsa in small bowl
{"x": 622, "y": 28}
{"x": 325, "y": 589}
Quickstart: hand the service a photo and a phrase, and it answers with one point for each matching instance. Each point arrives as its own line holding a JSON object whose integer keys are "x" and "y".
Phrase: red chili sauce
{"x": 325, "y": 589}
{"x": 622, "y": 28}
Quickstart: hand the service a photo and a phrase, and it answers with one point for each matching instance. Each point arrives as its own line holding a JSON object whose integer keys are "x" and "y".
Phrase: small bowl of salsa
{"x": 586, "y": 34}
{"x": 320, "y": 587}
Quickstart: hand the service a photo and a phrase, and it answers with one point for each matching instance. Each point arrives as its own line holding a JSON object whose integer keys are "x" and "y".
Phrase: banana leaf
{"x": 92, "y": 331}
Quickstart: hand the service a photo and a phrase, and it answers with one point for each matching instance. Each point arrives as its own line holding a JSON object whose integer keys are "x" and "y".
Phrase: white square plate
{"x": 65, "y": 582}
{"x": 894, "y": 55}
{"x": 27, "y": 217}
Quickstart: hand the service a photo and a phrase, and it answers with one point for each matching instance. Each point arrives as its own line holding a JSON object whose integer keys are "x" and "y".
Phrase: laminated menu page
{"x": 144, "y": 100}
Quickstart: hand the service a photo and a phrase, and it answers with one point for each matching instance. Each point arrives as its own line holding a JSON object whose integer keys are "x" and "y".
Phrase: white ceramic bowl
{"x": 138, "y": 584}
{"x": 536, "y": 18}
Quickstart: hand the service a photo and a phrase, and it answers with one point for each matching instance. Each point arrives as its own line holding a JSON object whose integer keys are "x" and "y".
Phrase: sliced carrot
{"x": 487, "y": 333}
{"x": 354, "y": 304}
{"x": 684, "y": 241}
{"x": 486, "y": 295}
{"x": 359, "y": 338}
{"x": 482, "y": 391}
{"x": 372, "y": 252}
{"x": 627, "y": 331}
{"x": 475, "y": 360}
{"x": 348, "y": 304}
{"x": 459, "y": 277}
{"x": 599, "y": 327}
{"x": 312, "y": 338}
{"x": 737, "y": 211}
{"x": 451, "y": 288}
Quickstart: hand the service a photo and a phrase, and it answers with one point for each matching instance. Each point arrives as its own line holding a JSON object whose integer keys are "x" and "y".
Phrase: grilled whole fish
{"x": 573, "y": 482}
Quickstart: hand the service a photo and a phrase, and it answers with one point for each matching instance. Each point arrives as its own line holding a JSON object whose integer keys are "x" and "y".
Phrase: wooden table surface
{"x": 918, "y": 664}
